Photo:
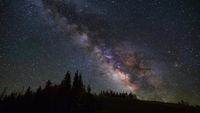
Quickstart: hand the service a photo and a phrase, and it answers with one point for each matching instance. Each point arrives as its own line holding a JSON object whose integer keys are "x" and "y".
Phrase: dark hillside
{"x": 74, "y": 97}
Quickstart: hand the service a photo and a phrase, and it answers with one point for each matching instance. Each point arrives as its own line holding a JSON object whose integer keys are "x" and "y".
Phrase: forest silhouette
{"x": 72, "y": 96}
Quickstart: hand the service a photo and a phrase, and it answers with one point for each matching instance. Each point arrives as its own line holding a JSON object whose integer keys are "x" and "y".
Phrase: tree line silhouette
{"x": 73, "y": 97}
{"x": 67, "y": 97}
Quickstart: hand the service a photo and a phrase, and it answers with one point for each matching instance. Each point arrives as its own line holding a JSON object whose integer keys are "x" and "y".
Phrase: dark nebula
{"x": 148, "y": 47}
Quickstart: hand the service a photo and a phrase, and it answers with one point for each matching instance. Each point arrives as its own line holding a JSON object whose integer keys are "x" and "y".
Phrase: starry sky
{"x": 148, "y": 47}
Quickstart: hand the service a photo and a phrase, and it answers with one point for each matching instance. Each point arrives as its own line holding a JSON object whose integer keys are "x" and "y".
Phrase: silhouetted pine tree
{"x": 89, "y": 89}
{"x": 81, "y": 85}
{"x": 39, "y": 90}
{"x": 48, "y": 84}
{"x": 78, "y": 87}
{"x": 75, "y": 82}
{"x": 79, "y": 99}
{"x": 28, "y": 92}
{"x": 66, "y": 83}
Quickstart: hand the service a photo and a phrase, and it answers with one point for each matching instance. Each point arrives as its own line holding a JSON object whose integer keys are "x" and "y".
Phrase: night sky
{"x": 148, "y": 47}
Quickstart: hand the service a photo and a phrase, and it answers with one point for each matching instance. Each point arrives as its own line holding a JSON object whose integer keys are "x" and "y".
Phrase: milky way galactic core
{"x": 150, "y": 48}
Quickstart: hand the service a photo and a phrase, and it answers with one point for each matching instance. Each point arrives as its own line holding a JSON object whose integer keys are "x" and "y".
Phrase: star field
{"x": 149, "y": 47}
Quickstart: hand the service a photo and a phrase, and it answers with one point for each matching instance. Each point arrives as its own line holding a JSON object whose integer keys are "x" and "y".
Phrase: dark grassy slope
{"x": 127, "y": 105}
{"x": 75, "y": 98}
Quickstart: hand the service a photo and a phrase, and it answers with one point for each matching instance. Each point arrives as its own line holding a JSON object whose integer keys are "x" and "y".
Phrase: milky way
{"x": 126, "y": 67}
{"x": 148, "y": 48}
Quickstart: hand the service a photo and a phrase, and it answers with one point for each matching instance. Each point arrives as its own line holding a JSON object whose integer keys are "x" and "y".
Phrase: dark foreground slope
{"x": 127, "y": 105}
{"x": 75, "y": 98}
